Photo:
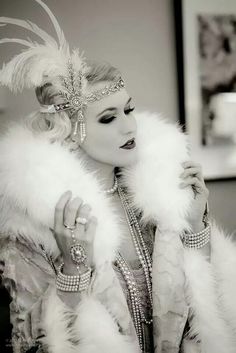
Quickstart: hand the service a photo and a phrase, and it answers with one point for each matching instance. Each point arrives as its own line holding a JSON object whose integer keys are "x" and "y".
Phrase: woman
{"x": 105, "y": 238}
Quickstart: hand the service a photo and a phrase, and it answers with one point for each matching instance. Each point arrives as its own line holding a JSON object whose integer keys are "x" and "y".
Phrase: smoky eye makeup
{"x": 106, "y": 119}
{"x": 129, "y": 110}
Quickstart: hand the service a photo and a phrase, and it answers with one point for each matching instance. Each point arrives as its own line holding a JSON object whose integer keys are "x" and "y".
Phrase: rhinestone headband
{"x": 106, "y": 91}
{"x": 76, "y": 102}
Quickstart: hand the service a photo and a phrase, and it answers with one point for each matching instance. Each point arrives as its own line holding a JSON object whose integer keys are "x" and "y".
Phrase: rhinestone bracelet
{"x": 73, "y": 283}
{"x": 197, "y": 240}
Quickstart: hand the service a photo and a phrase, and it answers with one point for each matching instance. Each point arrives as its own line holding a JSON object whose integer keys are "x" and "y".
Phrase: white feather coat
{"x": 34, "y": 173}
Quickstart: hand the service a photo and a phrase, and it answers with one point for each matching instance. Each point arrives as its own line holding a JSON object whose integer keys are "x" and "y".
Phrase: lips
{"x": 129, "y": 144}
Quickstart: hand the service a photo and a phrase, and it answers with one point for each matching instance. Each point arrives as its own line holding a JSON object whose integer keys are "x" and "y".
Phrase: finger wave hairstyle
{"x": 57, "y": 127}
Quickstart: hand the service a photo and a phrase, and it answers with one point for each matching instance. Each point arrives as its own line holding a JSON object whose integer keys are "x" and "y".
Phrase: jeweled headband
{"x": 52, "y": 62}
{"x": 75, "y": 102}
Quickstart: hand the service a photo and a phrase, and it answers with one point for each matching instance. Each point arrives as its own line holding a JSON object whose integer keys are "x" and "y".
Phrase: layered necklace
{"x": 146, "y": 263}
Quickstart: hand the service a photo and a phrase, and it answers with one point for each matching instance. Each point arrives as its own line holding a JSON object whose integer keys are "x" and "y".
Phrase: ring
{"x": 69, "y": 227}
{"x": 81, "y": 220}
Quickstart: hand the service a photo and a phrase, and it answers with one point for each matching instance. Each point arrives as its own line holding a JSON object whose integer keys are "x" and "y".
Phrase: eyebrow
{"x": 112, "y": 108}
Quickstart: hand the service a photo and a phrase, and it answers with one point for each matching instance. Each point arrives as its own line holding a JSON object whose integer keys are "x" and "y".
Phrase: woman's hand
{"x": 66, "y": 212}
{"x": 192, "y": 176}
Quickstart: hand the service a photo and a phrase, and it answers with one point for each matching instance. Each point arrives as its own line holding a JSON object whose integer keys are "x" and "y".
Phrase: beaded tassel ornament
{"x": 73, "y": 93}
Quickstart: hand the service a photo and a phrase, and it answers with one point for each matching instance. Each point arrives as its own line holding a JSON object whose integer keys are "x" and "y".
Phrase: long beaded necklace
{"x": 146, "y": 263}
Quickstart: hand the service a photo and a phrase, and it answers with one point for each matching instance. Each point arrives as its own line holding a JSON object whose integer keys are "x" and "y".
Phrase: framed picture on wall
{"x": 206, "y": 60}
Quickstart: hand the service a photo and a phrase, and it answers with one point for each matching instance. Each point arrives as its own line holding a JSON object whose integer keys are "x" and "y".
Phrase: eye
{"x": 129, "y": 110}
{"x": 106, "y": 119}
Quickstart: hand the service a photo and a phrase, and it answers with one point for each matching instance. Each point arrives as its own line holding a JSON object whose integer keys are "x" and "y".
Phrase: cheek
{"x": 100, "y": 140}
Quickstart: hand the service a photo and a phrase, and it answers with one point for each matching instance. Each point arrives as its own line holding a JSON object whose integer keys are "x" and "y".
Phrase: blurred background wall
{"x": 135, "y": 35}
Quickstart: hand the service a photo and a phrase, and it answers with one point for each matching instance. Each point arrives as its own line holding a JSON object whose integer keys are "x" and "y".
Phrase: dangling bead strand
{"x": 142, "y": 251}
{"x": 82, "y": 127}
{"x": 135, "y": 303}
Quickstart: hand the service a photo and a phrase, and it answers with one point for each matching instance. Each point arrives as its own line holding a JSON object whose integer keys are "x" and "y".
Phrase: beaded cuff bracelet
{"x": 197, "y": 240}
{"x": 73, "y": 283}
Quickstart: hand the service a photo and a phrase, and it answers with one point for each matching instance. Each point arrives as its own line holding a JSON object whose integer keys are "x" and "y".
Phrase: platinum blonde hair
{"x": 58, "y": 126}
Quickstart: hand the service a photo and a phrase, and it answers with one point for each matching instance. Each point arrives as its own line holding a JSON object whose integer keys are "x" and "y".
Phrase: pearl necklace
{"x": 113, "y": 189}
{"x": 146, "y": 263}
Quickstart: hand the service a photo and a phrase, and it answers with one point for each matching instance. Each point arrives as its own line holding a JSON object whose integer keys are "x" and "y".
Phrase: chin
{"x": 127, "y": 161}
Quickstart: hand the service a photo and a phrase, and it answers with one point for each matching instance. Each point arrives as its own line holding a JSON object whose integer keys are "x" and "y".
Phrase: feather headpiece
{"x": 51, "y": 62}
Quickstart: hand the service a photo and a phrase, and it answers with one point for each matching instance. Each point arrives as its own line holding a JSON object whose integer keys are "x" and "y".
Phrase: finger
{"x": 88, "y": 243}
{"x": 190, "y": 181}
{"x": 91, "y": 229}
{"x": 59, "y": 210}
{"x": 194, "y": 171}
{"x": 198, "y": 183}
{"x": 83, "y": 212}
{"x": 197, "y": 186}
{"x": 70, "y": 211}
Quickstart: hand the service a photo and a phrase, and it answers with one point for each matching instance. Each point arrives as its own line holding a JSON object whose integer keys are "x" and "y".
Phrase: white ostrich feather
{"x": 33, "y": 67}
{"x": 42, "y": 62}
{"x": 32, "y": 27}
{"x": 62, "y": 41}
{"x": 16, "y": 40}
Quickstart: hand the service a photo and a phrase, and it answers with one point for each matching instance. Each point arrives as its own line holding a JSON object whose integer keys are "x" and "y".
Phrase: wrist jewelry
{"x": 73, "y": 283}
{"x": 197, "y": 240}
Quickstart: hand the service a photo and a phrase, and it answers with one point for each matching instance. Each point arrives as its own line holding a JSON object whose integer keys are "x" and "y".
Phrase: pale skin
{"x": 102, "y": 152}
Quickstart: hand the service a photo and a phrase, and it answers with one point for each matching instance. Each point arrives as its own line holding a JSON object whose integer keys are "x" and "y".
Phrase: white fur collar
{"x": 34, "y": 173}
{"x": 154, "y": 180}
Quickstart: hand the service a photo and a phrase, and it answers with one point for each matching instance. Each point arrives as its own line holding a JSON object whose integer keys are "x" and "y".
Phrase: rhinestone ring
{"x": 78, "y": 254}
{"x": 81, "y": 220}
{"x": 69, "y": 226}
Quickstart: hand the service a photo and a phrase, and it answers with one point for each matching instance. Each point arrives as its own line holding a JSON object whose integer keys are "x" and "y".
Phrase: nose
{"x": 128, "y": 125}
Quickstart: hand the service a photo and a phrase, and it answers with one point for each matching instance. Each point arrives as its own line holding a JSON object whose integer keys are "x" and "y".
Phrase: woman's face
{"x": 110, "y": 125}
